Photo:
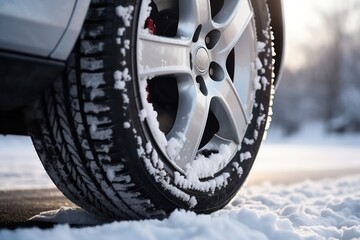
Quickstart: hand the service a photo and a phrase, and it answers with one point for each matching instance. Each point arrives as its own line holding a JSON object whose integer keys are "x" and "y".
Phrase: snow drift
{"x": 326, "y": 209}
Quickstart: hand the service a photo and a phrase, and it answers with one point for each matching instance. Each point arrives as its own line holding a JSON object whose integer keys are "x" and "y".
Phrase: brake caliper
{"x": 150, "y": 25}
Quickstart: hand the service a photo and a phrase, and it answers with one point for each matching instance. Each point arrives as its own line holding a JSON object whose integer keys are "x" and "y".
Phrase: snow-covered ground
{"x": 309, "y": 150}
{"x": 326, "y": 208}
{"x": 20, "y": 167}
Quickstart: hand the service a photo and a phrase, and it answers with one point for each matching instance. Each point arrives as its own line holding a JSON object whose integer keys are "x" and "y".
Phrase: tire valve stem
{"x": 150, "y": 25}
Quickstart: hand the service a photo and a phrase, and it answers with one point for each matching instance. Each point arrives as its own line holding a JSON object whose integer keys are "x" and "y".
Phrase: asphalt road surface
{"x": 16, "y": 207}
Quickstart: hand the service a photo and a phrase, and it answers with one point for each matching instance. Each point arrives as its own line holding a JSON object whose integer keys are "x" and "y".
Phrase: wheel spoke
{"x": 202, "y": 11}
{"x": 232, "y": 25}
{"x": 162, "y": 56}
{"x": 192, "y": 14}
{"x": 190, "y": 123}
{"x": 229, "y": 110}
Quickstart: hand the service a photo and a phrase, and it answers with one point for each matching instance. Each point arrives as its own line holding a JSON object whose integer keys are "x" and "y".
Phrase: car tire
{"x": 163, "y": 105}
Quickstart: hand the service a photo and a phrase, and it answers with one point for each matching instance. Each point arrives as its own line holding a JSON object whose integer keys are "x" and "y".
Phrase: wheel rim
{"x": 198, "y": 78}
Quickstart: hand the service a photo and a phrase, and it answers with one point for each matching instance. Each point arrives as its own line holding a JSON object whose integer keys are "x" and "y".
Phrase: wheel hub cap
{"x": 202, "y": 60}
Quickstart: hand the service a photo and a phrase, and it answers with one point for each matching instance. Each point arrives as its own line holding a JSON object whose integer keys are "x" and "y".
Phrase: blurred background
{"x": 321, "y": 77}
{"x": 315, "y": 132}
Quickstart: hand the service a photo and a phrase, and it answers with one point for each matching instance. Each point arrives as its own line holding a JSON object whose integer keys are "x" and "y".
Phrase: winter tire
{"x": 163, "y": 105}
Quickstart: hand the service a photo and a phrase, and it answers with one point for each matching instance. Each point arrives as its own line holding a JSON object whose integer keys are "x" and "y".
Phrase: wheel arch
{"x": 278, "y": 28}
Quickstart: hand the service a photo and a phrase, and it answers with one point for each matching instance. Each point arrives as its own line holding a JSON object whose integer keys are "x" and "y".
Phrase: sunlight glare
{"x": 300, "y": 19}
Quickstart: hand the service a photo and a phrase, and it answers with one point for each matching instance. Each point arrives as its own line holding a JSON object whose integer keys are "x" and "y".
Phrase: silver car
{"x": 137, "y": 108}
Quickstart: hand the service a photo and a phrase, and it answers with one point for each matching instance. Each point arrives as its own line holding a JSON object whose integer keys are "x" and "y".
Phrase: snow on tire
{"x": 162, "y": 106}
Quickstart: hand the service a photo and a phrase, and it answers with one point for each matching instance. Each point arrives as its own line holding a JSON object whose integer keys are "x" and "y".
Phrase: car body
{"x": 36, "y": 38}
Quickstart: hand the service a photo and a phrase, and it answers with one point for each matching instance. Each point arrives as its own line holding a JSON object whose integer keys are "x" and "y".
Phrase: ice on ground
{"x": 327, "y": 209}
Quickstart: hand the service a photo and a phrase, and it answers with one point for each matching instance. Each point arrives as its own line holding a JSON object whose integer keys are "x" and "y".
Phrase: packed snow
{"x": 125, "y": 13}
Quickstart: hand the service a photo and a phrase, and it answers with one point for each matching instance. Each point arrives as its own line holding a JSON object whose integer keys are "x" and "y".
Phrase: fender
{"x": 277, "y": 24}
